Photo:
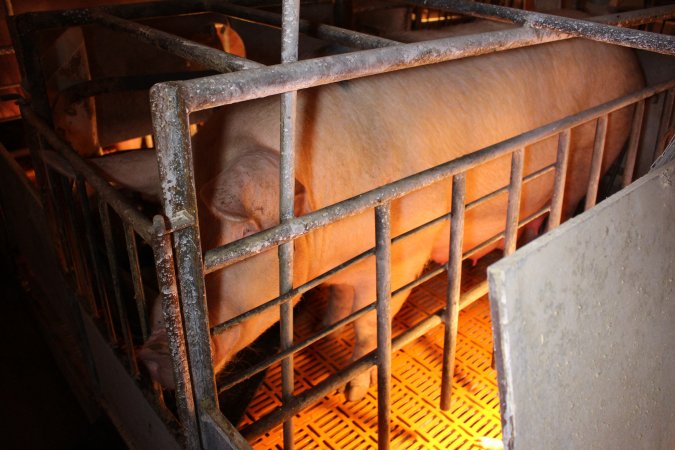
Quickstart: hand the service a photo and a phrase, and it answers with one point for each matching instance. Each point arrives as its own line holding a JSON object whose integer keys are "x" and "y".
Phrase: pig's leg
{"x": 365, "y": 331}
{"x": 340, "y": 303}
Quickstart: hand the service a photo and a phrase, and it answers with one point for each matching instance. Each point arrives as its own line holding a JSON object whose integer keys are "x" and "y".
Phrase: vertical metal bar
{"x": 94, "y": 274}
{"x": 596, "y": 162}
{"x": 515, "y": 188}
{"x": 451, "y": 313}
{"x": 559, "y": 183}
{"x": 289, "y": 53}
{"x": 665, "y": 120}
{"x": 383, "y": 270}
{"x": 134, "y": 266}
{"x": 635, "y": 132}
{"x": 166, "y": 277}
{"x": 97, "y": 264}
{"x": 121, "y": 310}
{"x": 171, "y": 127}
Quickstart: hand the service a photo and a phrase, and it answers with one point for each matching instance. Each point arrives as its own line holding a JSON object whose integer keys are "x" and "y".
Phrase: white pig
{"x": 358, "y": 135}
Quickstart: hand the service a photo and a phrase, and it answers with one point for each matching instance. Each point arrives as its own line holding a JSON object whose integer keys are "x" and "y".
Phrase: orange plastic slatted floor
{"x": 417, "y": 422}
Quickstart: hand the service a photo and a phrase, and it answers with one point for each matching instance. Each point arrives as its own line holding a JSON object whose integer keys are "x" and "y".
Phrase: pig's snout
{"x": 156, "y": 357}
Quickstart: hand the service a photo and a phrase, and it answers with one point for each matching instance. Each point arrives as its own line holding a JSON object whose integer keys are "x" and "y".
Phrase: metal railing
{"x": 174, "y": 237}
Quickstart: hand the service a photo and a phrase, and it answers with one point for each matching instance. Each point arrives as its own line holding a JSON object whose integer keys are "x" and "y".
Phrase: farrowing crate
{"x": 171, "y": 236}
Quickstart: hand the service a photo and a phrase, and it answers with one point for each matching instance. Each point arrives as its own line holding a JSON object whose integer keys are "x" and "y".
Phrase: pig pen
{"x": 101, "y": 292}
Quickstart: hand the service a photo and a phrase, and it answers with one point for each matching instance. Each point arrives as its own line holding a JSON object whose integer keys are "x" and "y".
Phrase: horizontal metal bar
{"x": 328, "y": 33}
{"x": 220, "y": 328}
{"x": 469, "y": 253}
{"x": 185, "y": 48}
{"x": 557, "y": 24}
{"x": 262, "y": 365}
{"x": 505, "y": 189}
{"x": 222, "y": 256}
{"x": 217, "y": 329}
{"x": 6, "y": 50}
{"x": 225, "y": 89}
{"x": 128, "y": 212}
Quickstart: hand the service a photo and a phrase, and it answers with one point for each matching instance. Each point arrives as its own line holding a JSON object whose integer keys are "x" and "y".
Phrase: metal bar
{"x": 166, "y": 277}
{"x": 300, "y": 402}
{"x": 383, "y": 279}
{"x": 451, "y": 316}
{"x": 122, "y": 207}
{"x": 289, "y": 53}
{"x": 262, "y": 365}
{"x": 559, "y": 183}
{"x": 220, "y": 328}
{"x": 341, "y": 36}
{"x": 95, "y": 274}
{"x": 98, "y": 266}
{"x": 222, "y": 256}
{"x": 515, "y": 188}
{"x": 636, "y": 130}
{"x": 189, "y": 50}
{"x": 636, "y": 17}
{"x": 324, "y": 388}
{"x": 533, "y": 175}
{"x": 137, "y": 279}
{"x": 499, "y": 236}
{"x": 121, "y": 310}
{"x": 596, "y": 162}
{"x": 220, "y": 90}
{"x": 171, "y": 127}
{"x": 557, "y": 24}
{"x": 665, "y": 121}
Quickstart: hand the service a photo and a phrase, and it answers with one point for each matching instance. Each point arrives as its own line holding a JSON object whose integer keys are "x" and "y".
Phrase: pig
{"x": 357, "y": 135}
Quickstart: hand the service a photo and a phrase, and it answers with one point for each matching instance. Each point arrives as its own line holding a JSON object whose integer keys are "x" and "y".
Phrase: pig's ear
{"x": 220, "y": 203}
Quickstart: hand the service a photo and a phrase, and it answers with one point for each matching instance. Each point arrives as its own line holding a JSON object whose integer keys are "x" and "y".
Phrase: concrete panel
{"x": 584, "y": 323}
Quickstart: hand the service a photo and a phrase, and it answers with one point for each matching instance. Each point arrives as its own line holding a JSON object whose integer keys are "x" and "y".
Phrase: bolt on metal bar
{"x": 601, "y": 32}
{"x": 631, "y": 156}
{"x": 383, "y": 279}
{"x": 451, "y": 315}
{"x": 189, "y": 50}
{"x": 117, "y": 290}
{"x": 136, "y": 278}
{"x": 166, "y": 277}
{"x": 336, "y": 35}
{"x": 289, "y": 53}
{"x": 596, "y": 162}
{"x": 171, "y": 129}
{"x": 515, "y": 188}
{"x": 220, "y": 257}
{"x": 559, "y": 183}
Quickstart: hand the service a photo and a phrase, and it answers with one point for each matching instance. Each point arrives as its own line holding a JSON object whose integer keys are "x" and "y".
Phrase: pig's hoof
{"x": 357, "y": 388}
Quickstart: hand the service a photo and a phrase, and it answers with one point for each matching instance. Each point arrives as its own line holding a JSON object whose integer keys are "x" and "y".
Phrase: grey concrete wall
{"x": 584, "y": 322}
